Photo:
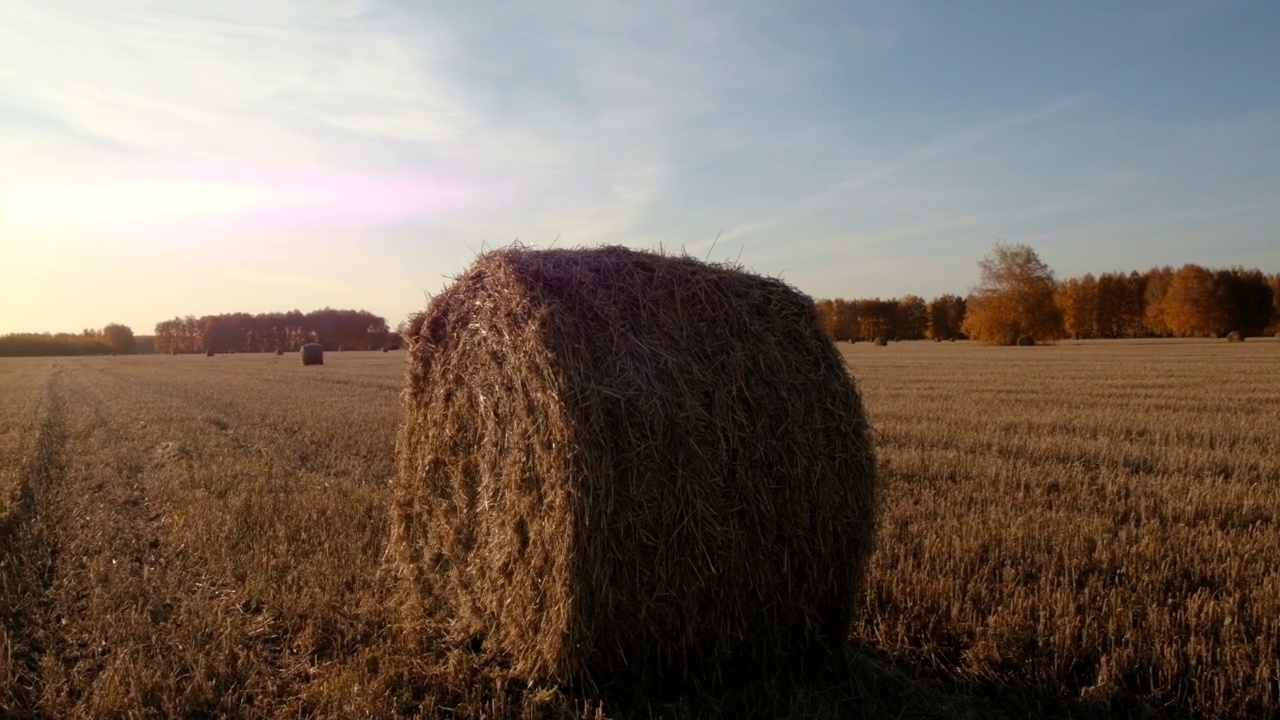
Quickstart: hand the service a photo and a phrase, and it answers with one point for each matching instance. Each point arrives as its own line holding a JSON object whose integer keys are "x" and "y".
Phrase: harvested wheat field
{"x": 1071, "y": 530}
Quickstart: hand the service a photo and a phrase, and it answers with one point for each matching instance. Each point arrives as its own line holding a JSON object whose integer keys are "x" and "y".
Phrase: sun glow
{"x": 126, "y": 203}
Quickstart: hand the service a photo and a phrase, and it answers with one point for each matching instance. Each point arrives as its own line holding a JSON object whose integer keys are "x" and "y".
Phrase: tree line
{"x": 288, "y": 331}
{"x": 110, "y": 340}
{"x": 1018, "y": 295}
{"x": 228, "y": 332}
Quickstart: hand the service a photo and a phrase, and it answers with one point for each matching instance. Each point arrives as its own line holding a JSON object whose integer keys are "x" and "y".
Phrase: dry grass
{"x": 1091, "y": 519}
{"x": 1098, "y": 519}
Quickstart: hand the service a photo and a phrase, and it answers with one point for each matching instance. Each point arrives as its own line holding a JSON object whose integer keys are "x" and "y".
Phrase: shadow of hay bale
{"x": 618, "y": 466}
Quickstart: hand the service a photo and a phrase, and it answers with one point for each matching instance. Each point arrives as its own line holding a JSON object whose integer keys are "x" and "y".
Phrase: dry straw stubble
{"x": 616, "y": 460}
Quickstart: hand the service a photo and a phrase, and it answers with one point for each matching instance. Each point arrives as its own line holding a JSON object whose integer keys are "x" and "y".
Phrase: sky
{"x": 173, "y": 157}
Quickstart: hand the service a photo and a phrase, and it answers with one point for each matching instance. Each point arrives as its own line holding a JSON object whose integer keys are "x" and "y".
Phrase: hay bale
{"x": 279, "y": 352}
{"x": 1235, "y": 336}
{"x": 313, "y": 354}
{"x": 881, "y": 342}
{"x": 614, "y": 459}
{"x": 384, "y": 349}
{"x": 208, "y": 353}
{"x": 1026, "y": 341}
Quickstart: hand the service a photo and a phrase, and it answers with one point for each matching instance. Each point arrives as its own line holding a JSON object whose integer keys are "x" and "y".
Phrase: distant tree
{"x": 1248, "y": 299}
{"x": 946, "y": 317}
{"x": 876, "y": 318}
{"x": 1077, "y": 300}
{"x": 1014, "y": 297}
{"x": 827, "y": 320}
{"x": 913, "y": 318}
{"x": 1274, "y": 282}
{"x": 1133, "y": 306}
{"x": 1194, "y": 305}
{"x": 120, "y": 339}
{"x": 1157, "y": 287}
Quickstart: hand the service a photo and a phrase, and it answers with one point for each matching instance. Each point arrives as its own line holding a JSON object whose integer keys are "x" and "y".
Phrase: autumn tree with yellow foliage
{"x": 1014, "y": 297}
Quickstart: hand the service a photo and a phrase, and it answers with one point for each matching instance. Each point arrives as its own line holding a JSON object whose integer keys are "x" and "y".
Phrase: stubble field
{"x": 1072, "y": 531}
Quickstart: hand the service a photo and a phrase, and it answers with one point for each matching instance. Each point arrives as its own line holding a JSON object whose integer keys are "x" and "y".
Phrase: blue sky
{"x": 177, "y": 157}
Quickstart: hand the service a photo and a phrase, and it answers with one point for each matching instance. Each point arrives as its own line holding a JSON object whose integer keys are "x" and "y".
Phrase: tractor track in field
{"x": 81, "y": 534}
{"x": 29, "y": 561}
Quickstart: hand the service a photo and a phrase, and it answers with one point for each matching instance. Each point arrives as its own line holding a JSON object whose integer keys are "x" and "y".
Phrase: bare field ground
{"x": 1068, "y": 531}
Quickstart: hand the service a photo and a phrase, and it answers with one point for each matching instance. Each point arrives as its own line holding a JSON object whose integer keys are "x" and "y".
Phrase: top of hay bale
{"x": 612, "y": 458}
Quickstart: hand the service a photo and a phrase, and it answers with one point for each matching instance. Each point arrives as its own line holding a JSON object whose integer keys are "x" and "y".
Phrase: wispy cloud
{"x": 846, "y": 192}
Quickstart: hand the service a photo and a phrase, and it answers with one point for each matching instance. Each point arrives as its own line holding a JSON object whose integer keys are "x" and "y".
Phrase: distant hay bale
{"x": 208, "y": 353}
{"x": 384, "y": 349}
{"x": 881, "y": 342}
{"x": 614, "y": 460}
{"x": 1026, "y": 341}
{"x": 313, "y": 354}
{"x": 279, "y": 351}
{"x": 1235, "y": 336}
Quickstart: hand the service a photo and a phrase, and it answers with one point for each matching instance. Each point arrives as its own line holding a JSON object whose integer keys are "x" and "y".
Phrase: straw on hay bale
{"x": 1235, "y": 336}
{"x": 1026, "y": 341}
{"x": 881, "y": 342}
{"x": 313, "y": 354}
{"x": 619, "y": 461}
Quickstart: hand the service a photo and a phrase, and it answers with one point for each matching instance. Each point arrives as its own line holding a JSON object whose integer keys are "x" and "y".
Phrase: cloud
{"x": 847, "y": 191}
{"x": 565, "y": 115}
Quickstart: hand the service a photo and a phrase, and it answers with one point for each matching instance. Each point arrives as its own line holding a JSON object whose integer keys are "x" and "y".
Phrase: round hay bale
{"x": 1026, "y": 341}
{"x": 313, "y": 354}
{"x": 881, "y": 342}
{"x": 612, "y": 459}
{"x": 385, "y": 349}
{"x": 279, "y": 352}
{"x": 208, "y": 353}
{"x": 1235, "y": 336}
